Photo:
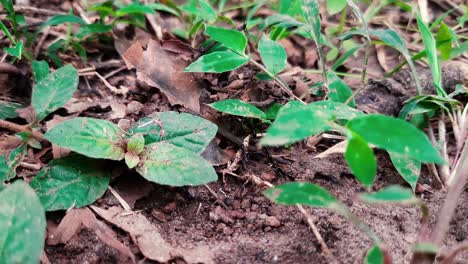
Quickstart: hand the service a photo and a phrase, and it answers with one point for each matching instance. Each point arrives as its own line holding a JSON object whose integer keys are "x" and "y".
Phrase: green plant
{"x": 16, "y": 45}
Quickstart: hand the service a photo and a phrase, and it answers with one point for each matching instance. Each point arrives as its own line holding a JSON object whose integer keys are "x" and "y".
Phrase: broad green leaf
{"x": 338, "y": 90}
{"x": 305, "y": 193}
{"x": 217, "y": 62}
{"x": 72, "y": 181}
{"x": 136, "y": 144}
{"x": 431, "y": 52}
{"x": 409, "y": 169}
{"x": 390, "y": 194}
{"x": 168, "y": 164}
{"x": 296, "y": 122}
{"x": 40, "y": 70}
{"x": 395, "y": 135}
{"x": 91, "y": 29}
{"x": 238, "y": 108}
{"x": 53, "y": 91}
{"x": 232, "y": 39}
{"x": 273, "y": 55}
{"x": 134, "y": 8}
{"x": 444, "y": 36}
{"x": 180, "y": 129}
{"x": 312, "y": 16}
{"x": 335, "y": 6}
{"x": 361, "y": 160}
{"x": 164, "y": 8}
{"x": 16, "y": 51}
{"x": 22, "y": 225}
{"x": 8, "y": 109}
{"x": 272, "y": 111}
{"x": 374, "y": 256}
{"x": 91, "y": 137}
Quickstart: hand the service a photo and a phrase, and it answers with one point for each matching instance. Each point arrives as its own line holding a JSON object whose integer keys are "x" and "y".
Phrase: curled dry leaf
{"x": 149, "y": 239}
{"x": 165, "y": 70}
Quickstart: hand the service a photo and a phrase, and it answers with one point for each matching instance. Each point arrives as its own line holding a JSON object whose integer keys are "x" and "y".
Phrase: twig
{"x": 19, "y": 128}
{"x": 34, "y": 10}
{"x": 30, "y": 166}
{"x": 215, "y": 195}
{"x": 121, "y": 200}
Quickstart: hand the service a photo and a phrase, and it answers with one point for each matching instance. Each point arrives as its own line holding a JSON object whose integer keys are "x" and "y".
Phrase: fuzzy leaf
{"x": 217, "y": 62}
{"x": 22, "y": 225}
{"x": 53, "y": 91}
{"x": 180, "y": 129}
{"x": 168, "y": 164}
{"x": 72, "y": 181}
{"x": 91, "y": 137}
{"x": 238, "y": 108}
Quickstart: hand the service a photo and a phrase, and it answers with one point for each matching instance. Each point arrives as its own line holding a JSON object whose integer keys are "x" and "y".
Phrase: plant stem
{"x": 19, "y": 128}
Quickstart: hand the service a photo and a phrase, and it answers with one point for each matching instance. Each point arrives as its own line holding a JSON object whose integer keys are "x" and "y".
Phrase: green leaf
{"x": 90, "y": 29}
{"x": 16, "y": 51}
{"x": 168, "y": 164}
{"x": 305, "y": 193}
{"x": 91, "y": 137}
{"x": 131, "y": 159}
{"x": 180, "y": 129}
{"x": 431, "y": 52}
{"x": 9, "y": 165}
{"x": 8, "y": 109}
{"x": 53, "y": 91}
{"x": 136, "y": 144}
{"x": 134, "y": 8}
{"x": 238, "y": 108}
{"x": 409, "y": 169}
{"x": 61, "y": 19}
{"x": 335, "y": 6}
{"x": 272, "y": 111}
{"x": 312, "y": 16}
{"x": 217, "y": 62}
{"x": 361, "y": 160}
{"x": 232, "y": 39}
{"x": 390, "y": 194}
{"x": 338, "y": 90}
{"x": 40, "y": 70}
{"x": 444, "y": 36}
{"x": 374, "y": 256}
{"x": 206, "y": 11}
{"x": 395, "y": 135}
{"x": 73, "y": 181}
{"x": 22, "y": 225}
{"x": 273, "y": 55}
{"x": 296, "y": 122}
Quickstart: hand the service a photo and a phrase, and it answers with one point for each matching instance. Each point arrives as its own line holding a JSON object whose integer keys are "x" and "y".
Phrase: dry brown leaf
{"x": 165, "y": 70}
{"x": 75, "y": 220}
{"x": 132, "y": 189}
{"x": 214, "y": 154}
{"x": 119, "y": 110}
{"x": 337, "y": 148}
{"x": 149, "y": 239}
{"x": 8, "y": 143}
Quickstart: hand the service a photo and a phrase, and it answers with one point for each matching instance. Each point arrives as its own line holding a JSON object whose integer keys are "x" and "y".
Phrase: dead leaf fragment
{"x": 149, "y": 239}
{"x": 165, "y": 70}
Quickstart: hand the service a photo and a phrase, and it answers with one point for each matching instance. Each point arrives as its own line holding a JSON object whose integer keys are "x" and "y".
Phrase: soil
{"x": 241, "y": 225}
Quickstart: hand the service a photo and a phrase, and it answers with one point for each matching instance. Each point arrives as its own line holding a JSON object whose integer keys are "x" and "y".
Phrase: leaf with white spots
{"x": 22, "y": 225}
{"x": 217, "y": 62}
{"x": 238, "y": 108}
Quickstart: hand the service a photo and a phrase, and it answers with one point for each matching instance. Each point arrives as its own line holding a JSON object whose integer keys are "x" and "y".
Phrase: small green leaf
{"x": 374, "y": 256}
{"x": 338, "y": 90}
{"x": 91, "y": 137}
{"x": 390, "y": 194}
{"x": 8, "y": 109}
{"x": 361, "y": 160}
{"x": 217, "y": 62}
{"x": 273, "y": 55}
{"x": 90, "y": 29}
{"x": 131, "y": 159}
{"x": 444, "y": 36}
{"x": 180, "y": 129}
{"x": 40, "y": 70}
{"x": 272, "y": 111}
{"x": 232, "y": 39}
{"x": 72, "y": 181}
{"x": 53, "y": 91}
{"x": 408, "y": 168}
{"x": 16, "y": 51}
{"x": 9, "y": 165}
{"x": 134, "y": 8}
{"x": 61, "y": 19}
{"x": 136, "y": 144}
{"x": 238, "y": 108}
{"x": 395, "y": 135}
{"x": 431, "y": 52}
{"x": 312, "y": 16}
{"x": 426, "y": 247}
{"x": 167, "y": 164}
{"x": 22, "y": 225}
{"x": 305, "y": 193}
{"x": 335, "y": 6}
{"x": 296, "y": 122}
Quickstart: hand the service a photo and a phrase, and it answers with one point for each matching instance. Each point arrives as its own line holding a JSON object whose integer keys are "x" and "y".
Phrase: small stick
{"x": 19, "y": 128}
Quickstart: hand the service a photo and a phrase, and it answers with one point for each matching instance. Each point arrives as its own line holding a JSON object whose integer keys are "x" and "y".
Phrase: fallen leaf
{"x": 148, "y": 237}
{"x": 165, "y": 70}
{"x": 337, "y": 148}
{"x": 75, "y": 220}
